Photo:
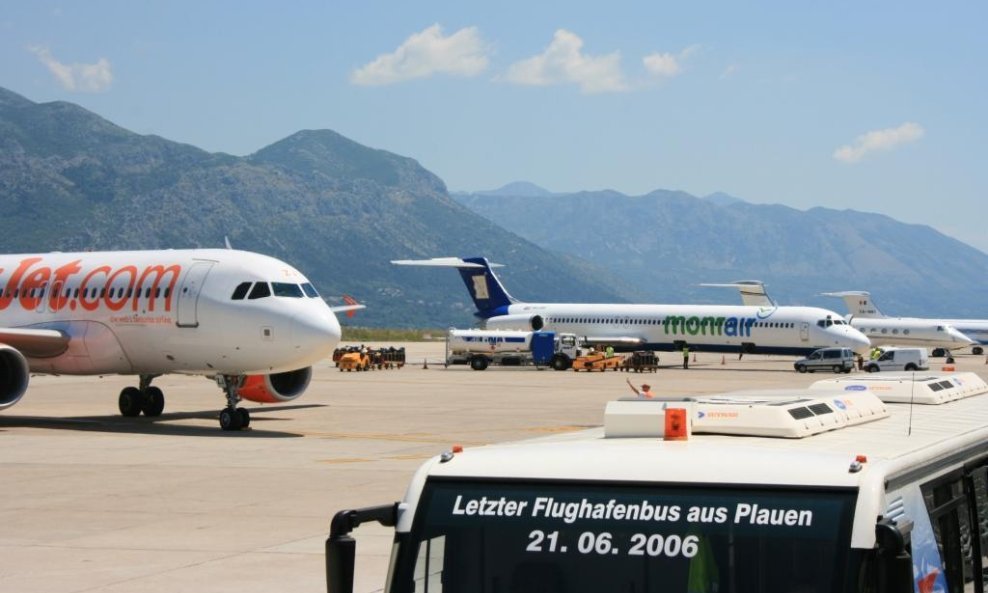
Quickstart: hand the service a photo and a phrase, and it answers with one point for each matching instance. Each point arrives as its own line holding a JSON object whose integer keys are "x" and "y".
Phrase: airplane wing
{"x": 627, "y": 340}
{"x": 35, "y": 343}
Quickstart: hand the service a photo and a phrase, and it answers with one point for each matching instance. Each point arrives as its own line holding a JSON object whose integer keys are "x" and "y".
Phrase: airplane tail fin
{"x": 350, "y": 307}
{"x": 486, "y": 290}
{"x": 858, "y": 302}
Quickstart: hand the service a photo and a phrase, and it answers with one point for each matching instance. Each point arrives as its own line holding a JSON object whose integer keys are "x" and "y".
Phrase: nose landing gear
{"x": 232, "y": 417}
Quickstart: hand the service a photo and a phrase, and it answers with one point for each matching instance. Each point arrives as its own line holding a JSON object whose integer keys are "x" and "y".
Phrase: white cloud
{"x": 423, "y": 54}
{"x": 564, "y": 62}
{"x": 886, "y": 139}
{"x": 83, "y": 78}
{"x": 667, "y": 65}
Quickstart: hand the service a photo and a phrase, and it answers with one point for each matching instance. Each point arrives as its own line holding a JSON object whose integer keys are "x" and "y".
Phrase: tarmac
{"x": 95, "y": 502}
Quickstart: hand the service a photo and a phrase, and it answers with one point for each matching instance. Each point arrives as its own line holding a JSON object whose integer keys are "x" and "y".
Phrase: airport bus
{"x": 833, "y": 488}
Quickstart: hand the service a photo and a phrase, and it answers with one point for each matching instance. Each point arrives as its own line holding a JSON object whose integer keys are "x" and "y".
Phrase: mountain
{"x": 668, "y": 242}
{"x": 337, "y": 210}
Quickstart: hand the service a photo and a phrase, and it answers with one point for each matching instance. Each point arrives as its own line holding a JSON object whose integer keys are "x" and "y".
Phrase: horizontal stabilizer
{"x": 442, "y": 262}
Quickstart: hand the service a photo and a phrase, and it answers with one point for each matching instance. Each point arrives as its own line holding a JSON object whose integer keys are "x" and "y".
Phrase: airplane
{"x": 941, "y": 335}
{"x": 251, "y": 322}
{"x": 628, "y": 327}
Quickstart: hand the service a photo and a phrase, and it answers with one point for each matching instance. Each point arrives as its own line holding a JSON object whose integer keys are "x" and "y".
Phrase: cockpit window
{"x": 240, "y": 291}
{"x": 260, "y": 290}
{"x": 310, "y": 291}
{"x": 284, "y": 289}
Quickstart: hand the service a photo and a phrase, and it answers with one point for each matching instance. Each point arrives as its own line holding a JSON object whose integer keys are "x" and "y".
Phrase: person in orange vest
{"x": 644, "y": 393}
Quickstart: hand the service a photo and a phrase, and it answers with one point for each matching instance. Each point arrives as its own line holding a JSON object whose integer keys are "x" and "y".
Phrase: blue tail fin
{"x": 487, "y": 292}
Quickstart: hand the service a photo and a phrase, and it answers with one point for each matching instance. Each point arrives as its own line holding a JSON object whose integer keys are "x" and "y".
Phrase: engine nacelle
{"x": 14, "y": 376}
{"x": 519, "y": 322}
{"x": 279, "y": 387}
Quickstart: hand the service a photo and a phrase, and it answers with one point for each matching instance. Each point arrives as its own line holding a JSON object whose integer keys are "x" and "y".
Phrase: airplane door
{"x": 188, "y": 294}
{"x": 804, "y": 331}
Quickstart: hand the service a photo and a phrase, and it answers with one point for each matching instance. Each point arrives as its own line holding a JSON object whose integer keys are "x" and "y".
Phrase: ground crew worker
{"x": 686, "y": 357}
{"x": 644, "y": 393}
{"x": 609, "y": 351}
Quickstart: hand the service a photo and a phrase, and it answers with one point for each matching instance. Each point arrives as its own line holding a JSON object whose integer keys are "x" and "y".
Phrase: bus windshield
{"x": 478, "y": 536}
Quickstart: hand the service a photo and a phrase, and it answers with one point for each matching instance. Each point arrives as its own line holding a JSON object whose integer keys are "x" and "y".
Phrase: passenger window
{"x": 947, "y": 505}
{"x": 260, "y": 290}
{"x": 240, "y": 291}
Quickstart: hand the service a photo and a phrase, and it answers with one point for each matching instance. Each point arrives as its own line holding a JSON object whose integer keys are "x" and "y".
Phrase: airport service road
{"x": 96, "y": 502}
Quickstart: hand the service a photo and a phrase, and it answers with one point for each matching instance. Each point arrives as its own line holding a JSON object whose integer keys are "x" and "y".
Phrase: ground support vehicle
{"x": 825, "y": 489}
{"x": 598, "y": 361}
{"x": 838, "y": 360}
{"x": 388, "y": 358}
{"x": 482, "y": 348}
{"x": 899, "y": 359}
{"x": 357, "y": 360}
{"x": 641, "y": 361}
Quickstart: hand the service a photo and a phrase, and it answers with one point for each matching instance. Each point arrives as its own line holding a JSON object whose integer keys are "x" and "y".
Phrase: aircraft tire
{"x": 977, "y": 350}
{"x": 561, "y": 362}
{"x": 229, "y": 419}
{"x": 938, "y": 352}
{"x": 154, "y": 402}
{"x": 131, "y": 401}
{"x": 244, "y": 417}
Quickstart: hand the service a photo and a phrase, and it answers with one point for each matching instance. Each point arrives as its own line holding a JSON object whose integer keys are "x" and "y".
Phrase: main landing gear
{"x": 232, "y": 417}
{"x": 144, "y": 398}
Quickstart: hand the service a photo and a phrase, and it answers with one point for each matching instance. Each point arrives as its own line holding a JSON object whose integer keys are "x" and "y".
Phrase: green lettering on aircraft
{"x": 713, "y": 326}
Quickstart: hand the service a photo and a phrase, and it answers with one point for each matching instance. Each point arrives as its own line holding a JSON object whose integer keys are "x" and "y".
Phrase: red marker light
{"x": 457, "y": 449}
{"x": 861, "y": 459}
{"x": 676, "y": 427}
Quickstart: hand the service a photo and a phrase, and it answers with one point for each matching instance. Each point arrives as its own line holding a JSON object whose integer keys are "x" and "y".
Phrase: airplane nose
{"x": 317, "y": 332}
{"x": 860, "y": 343}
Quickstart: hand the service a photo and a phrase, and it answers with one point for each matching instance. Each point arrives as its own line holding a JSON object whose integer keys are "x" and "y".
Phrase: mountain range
{"x": 339, "y": 211}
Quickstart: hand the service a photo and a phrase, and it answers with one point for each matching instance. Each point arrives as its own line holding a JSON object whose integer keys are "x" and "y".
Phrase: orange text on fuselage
{"x": 33, "y": 284}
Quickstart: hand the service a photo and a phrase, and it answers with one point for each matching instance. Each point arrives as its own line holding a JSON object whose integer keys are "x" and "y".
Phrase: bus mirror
{"x": 341, "y": 549}
{"x": 895, "y": 565}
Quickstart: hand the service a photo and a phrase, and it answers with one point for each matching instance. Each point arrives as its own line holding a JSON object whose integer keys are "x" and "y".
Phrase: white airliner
{"x": 252, "y": 322}
{"x": 710, "y": 328}
{"x": 939, "y": 334}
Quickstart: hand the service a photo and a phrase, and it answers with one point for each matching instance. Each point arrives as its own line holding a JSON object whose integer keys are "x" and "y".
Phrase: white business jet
{"x": 251, "y": 322}
{"x": 710, "y": 328}
{"x": 940, "y": 334}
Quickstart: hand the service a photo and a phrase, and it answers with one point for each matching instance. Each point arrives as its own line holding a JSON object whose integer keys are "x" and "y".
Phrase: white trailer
{"x": 480, "y": 348}
{"x": 824, "y": 490}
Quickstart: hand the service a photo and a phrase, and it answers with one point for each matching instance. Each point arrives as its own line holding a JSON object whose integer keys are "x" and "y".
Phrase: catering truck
{"x": 480, "y": 348}
{"x": 825, "y": 489}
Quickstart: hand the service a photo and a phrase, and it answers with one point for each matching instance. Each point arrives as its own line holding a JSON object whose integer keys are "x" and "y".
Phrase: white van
{"x": 900, "y": 359}
{"x": 838, "y": 360}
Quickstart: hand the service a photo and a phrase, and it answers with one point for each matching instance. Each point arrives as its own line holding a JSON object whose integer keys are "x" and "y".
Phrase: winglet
{"x": 350, "y": 308}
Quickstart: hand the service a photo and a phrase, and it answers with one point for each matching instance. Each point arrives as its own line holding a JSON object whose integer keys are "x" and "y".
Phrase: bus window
{"x": 587, "y": 538}
{"x": 951, "y": 520}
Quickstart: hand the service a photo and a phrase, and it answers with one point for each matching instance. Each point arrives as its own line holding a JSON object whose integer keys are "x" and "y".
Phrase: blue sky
{"x": 873, "y": 106}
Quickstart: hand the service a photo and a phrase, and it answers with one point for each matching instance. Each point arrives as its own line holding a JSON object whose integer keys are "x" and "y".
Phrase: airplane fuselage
{"x": 711, "y": 328}
{"x": 169, "y": 311}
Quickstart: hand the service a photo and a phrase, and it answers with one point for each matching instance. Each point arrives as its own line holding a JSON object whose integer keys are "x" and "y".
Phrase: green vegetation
{"x": 384, "y": 334}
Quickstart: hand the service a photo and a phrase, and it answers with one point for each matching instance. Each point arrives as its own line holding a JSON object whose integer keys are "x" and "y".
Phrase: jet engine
{"x": 279, "y": 387}
{"x": 14, "y": 375}
{"x": 517, "y": 322}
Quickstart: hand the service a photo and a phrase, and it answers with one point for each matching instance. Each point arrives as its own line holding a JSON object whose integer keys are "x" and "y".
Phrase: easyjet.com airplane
{"x": 252, "y": 322}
